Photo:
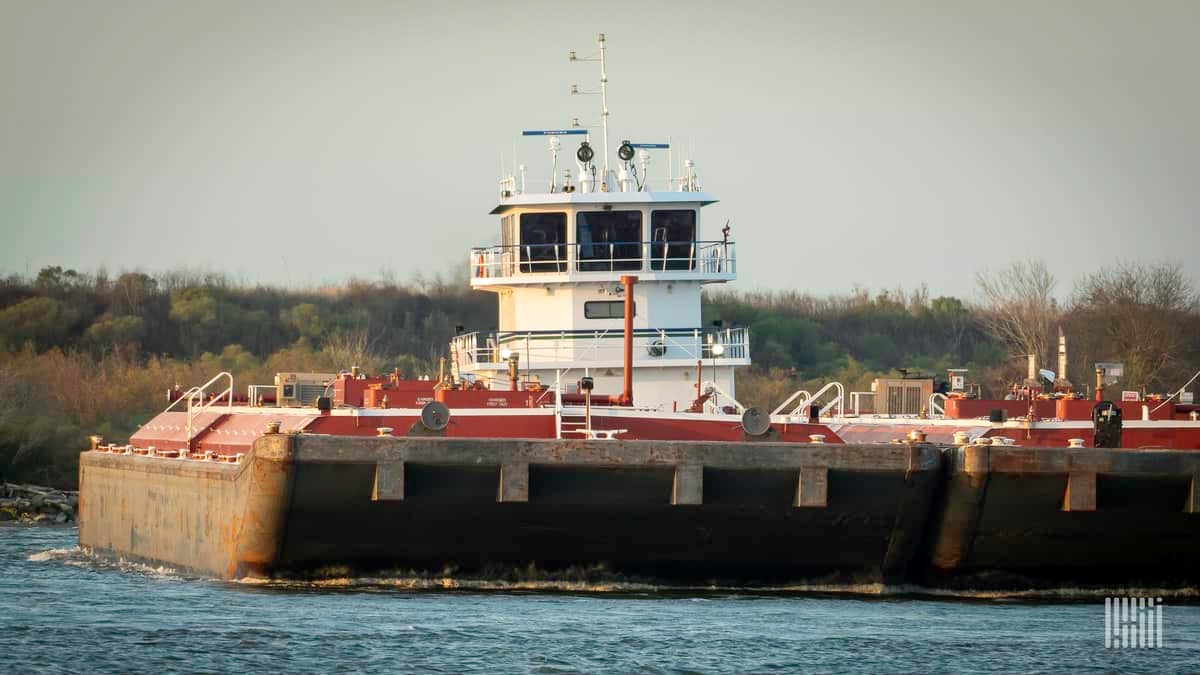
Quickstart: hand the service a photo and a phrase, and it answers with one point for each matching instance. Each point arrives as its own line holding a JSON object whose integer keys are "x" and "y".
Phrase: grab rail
{"x": 807, "y": 399}
{"x": 710, "y": 385}
{"x": 196, "y": 404}
{"x": 934, "y": 407}
{"x": 182, "y": 397}
{"x": 799, "y": 392}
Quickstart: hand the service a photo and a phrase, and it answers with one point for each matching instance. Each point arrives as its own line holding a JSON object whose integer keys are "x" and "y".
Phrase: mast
{"x": 604, "y": 103}
{"x": 573, "y": 57}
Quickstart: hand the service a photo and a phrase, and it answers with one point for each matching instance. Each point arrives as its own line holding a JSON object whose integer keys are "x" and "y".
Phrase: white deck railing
{"x": 581, "y": 348}
{"x": 200, "y": 399}
{"x": 937, "y": 404}
{"x": 803, "y": 399}
{"x": 701, "y": 258}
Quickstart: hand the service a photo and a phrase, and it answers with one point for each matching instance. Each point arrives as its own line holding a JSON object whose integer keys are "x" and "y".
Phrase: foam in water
{"x": 446, "y": 583}
{"x": 53, "y": 554}
{"x": 78, "y": 557}
{"x": 592, "y": 580}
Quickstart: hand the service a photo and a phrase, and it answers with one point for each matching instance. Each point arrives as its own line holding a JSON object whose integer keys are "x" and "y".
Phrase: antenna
{"x": 644, "y": 160}
{"x": 554, "y": 145}
{"x": 670, "y": 167}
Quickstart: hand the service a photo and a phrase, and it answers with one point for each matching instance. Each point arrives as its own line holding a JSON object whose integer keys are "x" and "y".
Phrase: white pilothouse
{"x": 564, "y": 263}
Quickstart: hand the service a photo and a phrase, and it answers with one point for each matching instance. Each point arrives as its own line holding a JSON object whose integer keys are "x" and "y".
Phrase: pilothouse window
{"x": 543, "y": 242}
{"x": 673, "y": 239}
{"x": 609, "y": 240}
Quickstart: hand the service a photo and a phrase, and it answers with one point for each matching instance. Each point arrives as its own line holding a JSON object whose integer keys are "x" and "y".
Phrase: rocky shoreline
{"x": 33, "y": 504}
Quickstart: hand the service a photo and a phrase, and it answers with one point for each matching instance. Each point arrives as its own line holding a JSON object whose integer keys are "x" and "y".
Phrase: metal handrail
{"x": 934, "y": 408}
{"x": 718, "y": 390}
{"x": 182, "y": 397}
{"x": 196, "y": 405}
{"x": 597, "y": 345}
{"x": 799, "y": 392}
{"x": 252, "y": 392}
{"x": 708, "y": 257}
{"x": 556, "y": 388}
{"x": 855, "y": 400}
{"x": 839, "y": 400}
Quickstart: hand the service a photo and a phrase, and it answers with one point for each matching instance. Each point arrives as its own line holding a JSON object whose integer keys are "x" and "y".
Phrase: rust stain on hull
{"x": 188, "y": 514}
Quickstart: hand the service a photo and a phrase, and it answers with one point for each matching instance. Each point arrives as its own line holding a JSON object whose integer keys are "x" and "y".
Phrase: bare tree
{"x": 1019, "y": 307}
{"x": 1137, "y": 315}
{"x": 354, "y": 348}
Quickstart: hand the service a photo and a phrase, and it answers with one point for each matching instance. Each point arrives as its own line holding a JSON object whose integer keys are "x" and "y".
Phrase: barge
{"x": 756, "y": 512}
{"x": 666, "y": 510}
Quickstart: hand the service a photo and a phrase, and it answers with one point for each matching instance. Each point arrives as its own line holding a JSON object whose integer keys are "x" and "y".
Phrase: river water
{"x": 63, "y": 611}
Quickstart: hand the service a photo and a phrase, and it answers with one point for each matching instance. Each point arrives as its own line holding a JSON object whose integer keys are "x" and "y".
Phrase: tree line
{"x": 92, "y": 353}
{"x": 186, "y": 315}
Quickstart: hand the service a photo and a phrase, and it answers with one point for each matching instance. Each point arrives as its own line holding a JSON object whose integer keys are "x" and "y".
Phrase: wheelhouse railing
{"x": 564, "y": 348}
{"x": 700, "y": 257}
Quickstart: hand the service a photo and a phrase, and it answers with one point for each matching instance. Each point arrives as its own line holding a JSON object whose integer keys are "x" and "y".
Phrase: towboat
{"x": 600, "y": 426}
{"x": 598, "y": 279}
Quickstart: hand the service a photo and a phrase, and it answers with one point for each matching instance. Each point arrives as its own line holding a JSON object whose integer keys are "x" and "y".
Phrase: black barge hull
{"x": 748, "y": 513}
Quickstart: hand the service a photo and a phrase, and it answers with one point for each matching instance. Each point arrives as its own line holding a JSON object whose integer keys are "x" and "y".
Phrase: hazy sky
{"x": 872, "y": 144}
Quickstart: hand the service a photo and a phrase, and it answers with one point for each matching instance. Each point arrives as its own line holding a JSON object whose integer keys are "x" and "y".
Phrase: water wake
{"x": 54, "y": 554}
{"x": 598, "y": 580}
{"x": 75, "y": 556}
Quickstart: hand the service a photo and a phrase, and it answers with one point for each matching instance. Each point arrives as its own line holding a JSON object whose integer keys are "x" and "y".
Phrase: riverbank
{"x": 34, "y": 504}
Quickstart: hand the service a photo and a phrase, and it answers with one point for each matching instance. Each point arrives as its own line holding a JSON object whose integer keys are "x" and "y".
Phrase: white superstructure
{"x": 557, "y": 273}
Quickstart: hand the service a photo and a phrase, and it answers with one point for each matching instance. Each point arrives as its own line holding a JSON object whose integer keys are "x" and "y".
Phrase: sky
{"x": 851, "y": 144}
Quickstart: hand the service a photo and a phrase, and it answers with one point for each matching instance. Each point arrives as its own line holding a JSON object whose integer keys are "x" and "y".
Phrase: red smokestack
{"x": 627, "y": 390}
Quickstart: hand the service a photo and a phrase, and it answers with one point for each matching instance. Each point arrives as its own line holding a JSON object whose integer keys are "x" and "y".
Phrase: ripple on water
{"x": 399, "y": 581}
{"x": 65, "y": 609}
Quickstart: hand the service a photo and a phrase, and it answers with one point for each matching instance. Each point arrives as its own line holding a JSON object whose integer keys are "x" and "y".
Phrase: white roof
{"x": 553, "y": 199}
